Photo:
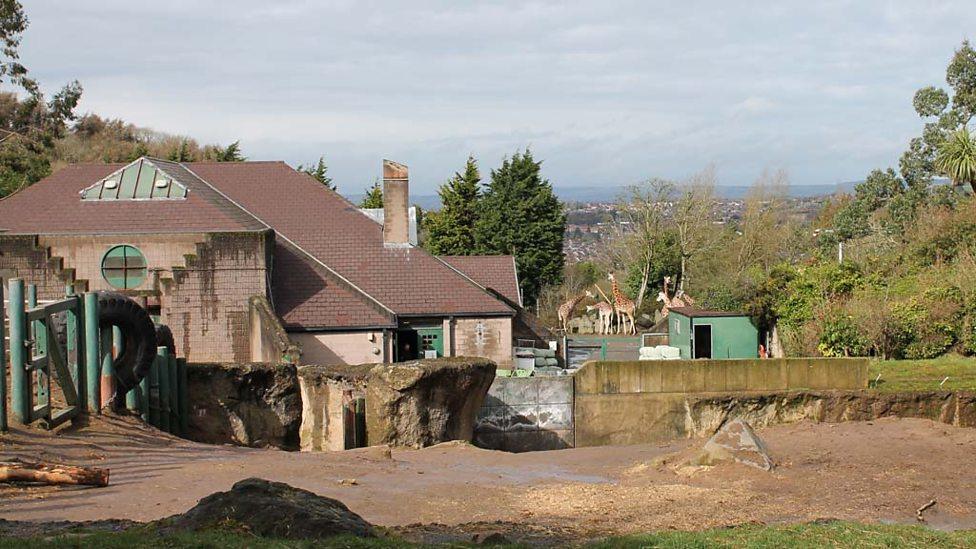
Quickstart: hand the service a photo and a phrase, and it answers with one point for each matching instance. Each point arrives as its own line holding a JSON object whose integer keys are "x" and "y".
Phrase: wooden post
{"x": 92, "y": 366}
{"x": 162, "y": 361}
{"x": 107, "y": 382}
{"x": 71, "y": 334}
{"x": 3, "y": 365}
{"x": 174, "y": 395}
{"x": 183, "y": 397}
{"x": 154, "y": 393}
{"x": 19, "y": 386}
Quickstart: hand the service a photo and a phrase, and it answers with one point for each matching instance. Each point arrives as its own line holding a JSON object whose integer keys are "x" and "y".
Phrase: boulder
{"x": 736, "y": 441}
{"x": 256, "y": 405}
{"x": 272, "y": 509}
{"x": 425, "y": 402}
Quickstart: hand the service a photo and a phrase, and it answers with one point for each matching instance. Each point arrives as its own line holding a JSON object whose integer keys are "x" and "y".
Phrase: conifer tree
{"x": 520, "y": 215}
{"x": 450, "y": 231}
{"x": 320, "y": 172}
{"x": 374, "y": 196}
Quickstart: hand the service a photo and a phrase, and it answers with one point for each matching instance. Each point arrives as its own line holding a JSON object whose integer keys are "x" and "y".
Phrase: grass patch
{"x": 924, "y": 375}
{"x": 817, "y": 534}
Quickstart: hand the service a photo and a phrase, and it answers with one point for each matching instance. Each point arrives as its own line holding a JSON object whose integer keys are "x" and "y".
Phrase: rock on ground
{"x": 272, "y": 509}
{"x": 255, "y": 405}
{"x": 736, "y": 441}
{"x": 425, "y": 402}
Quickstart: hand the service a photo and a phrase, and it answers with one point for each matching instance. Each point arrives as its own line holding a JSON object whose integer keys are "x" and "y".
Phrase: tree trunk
{"x": 52, "y": 473}
{"x": 681, "y": 283}
{"x": 646, "y": 272}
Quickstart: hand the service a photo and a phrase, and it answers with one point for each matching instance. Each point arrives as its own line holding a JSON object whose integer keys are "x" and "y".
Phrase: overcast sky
{"x": 606, "y": 93}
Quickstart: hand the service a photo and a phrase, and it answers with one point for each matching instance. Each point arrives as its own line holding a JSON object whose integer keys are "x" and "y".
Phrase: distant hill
{"x": 611, "y": 193}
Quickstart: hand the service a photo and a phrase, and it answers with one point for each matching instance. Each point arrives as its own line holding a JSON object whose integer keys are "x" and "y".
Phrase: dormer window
{"x": 144, "y": 179}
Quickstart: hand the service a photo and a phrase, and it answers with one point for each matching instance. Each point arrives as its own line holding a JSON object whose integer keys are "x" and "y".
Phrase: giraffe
{"x": 625, "y": 307}
{"x": 605, "y": 310}
{"x": 663, "y": 297}
{"x": 565, "y": 311}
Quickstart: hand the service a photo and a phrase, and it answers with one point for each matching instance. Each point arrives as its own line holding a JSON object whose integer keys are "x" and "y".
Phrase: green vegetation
{"x": 450, "y": 231}
{"x": 320, "y": 172}
{"x": 516, "y": 213}
{"x": 924, "y": 375}
{"x": 818, "y": 534}
{"x": 374, "y": 196}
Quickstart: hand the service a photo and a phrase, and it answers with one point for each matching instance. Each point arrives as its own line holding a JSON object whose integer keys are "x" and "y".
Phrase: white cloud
{"x": 608, "y": 92}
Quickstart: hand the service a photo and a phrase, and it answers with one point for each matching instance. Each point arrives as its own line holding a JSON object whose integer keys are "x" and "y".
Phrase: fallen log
{"x": 52, "y": 473}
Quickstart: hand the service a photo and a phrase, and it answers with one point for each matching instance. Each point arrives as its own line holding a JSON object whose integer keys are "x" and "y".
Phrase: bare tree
{"x": 645, "y": 211}
{"x": 693, "y": 219}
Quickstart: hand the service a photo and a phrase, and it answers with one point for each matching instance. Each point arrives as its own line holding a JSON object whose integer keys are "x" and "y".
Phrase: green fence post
{"x": 144, "y": 395}
{"x": 162, "y": 359}
{"x": 154, "y": 393}
{"x": 174, "y": 395}
{"x": 3, "y": 365}
{"x": 92, "y": 366}
{"x": 71, "y": 333}
{"x": 107, "y": 366}
{"x": 603, "y": 349}
{"x": 39, "y": 334}
{"x": 183, "y": 395}
{"x": 19, "y": 386}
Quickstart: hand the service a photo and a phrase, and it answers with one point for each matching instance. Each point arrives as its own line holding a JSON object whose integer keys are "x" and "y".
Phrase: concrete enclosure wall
{"x": 340, "y": 347}
{"x": 640, "y": 402}
{"x": 527, "y": 414}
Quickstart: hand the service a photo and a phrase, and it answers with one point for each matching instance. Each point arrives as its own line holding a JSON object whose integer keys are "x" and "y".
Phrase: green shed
{"x": 700, "y": 333}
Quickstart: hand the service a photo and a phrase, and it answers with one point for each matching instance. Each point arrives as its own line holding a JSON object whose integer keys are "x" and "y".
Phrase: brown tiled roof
{"x": 53, "y": 206}
{"x": 331, "y": 270}
{"x": 408, "y": 281}
{"x": 309, "y": 297}
{"x": 491, "y": 271}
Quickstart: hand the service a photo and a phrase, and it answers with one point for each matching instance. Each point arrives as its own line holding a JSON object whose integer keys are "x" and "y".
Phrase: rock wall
{"x": 425, "y": 402}
{"x": 255, "y": 405}
{"x": 704, "y": 414}
{"x": 523, "y": 414}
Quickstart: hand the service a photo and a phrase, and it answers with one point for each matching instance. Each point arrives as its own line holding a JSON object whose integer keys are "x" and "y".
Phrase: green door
{"x": 430, "y": 339}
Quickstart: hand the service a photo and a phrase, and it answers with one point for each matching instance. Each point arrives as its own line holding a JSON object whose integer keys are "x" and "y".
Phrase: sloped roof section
{"x": 140, "y": 180}
{"x": 408, "y": 281}
{"x": 54, "y": 206}
{"x": 496, "y": 272}
{"x": 306, "y": 296}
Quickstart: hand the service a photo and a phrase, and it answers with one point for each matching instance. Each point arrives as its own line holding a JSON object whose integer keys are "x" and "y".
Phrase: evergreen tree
{"x": 520, "y": 215}
{"x": 232, "y": 153}
{"x": 320, "y": 172}
{"x": 451, "y": 230}
{"x": 374, "y": 196}
{"x": 181, "y": 153}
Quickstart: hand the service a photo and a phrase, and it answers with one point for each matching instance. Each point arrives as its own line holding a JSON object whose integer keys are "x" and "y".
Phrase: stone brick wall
{"x": 483, "y": 337}
{"x": 203, "y": 281}
{"x": 23, "y": 257}
{"x": 206, "y": 302}
{"x": 84, "y": 254}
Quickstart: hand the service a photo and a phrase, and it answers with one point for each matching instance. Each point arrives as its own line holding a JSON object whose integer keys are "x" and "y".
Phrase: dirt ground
{"x": 870, "y": 471}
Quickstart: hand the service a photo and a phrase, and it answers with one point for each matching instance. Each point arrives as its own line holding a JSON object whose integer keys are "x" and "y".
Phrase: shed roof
{"x": 693, "y": 312}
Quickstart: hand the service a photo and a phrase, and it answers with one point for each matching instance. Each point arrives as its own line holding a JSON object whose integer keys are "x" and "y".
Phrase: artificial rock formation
{"x": 274, "y": 510}
{"x": 736, "y": 441}
{"x": 256, "y": 405}
{"x": 424, "y": 402}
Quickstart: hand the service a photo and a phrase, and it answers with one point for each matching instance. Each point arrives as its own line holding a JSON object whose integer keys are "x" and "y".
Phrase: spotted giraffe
{"x": 625, "y": 307}
{"x": 565, "y": 311}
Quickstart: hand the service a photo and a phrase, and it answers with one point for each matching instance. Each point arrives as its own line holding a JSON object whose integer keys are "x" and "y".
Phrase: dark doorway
{"x": 703, "y": 341}
{"x": 406, "y": 345}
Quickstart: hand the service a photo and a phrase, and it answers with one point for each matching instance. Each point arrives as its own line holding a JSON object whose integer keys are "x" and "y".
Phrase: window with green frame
{"x": 124, "y": 267}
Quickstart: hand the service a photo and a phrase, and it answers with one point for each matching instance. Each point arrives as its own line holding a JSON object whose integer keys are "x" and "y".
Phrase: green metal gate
{"x": 81, "y": 366}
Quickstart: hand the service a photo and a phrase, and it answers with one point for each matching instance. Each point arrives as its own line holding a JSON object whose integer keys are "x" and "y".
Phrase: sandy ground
{"x": 870, "y": 471}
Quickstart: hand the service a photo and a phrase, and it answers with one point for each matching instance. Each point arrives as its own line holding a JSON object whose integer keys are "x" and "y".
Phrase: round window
{"x": 124, "y": 267}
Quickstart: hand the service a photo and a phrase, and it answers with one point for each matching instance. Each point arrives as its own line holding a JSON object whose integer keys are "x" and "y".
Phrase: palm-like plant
{"x": 957, "y": 158}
